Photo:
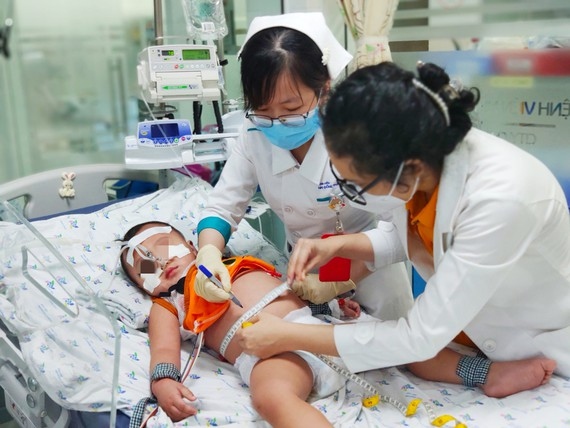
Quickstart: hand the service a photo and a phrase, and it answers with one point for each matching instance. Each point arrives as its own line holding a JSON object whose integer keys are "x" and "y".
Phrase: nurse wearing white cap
{"x": 287, "y": 65}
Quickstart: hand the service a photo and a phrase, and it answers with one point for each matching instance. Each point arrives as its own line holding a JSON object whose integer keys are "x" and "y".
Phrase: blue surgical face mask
{"x": 289, "y": 138}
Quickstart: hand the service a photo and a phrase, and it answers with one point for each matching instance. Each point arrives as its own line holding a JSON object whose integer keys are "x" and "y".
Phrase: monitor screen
{"x": 167, "y": 130}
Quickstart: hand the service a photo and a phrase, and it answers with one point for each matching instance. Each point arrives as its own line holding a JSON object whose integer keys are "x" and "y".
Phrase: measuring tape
{"x": 367, "y": 386}
{"x": 265, "y": 300}
{"x": 370, "y": 401}
{"x": 376, "y": 397}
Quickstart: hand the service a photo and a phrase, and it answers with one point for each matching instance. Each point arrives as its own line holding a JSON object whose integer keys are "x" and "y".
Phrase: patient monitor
{"x": 179, "y": 72}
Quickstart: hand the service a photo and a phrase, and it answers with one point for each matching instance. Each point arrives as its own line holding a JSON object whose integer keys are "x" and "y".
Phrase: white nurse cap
{"x": 313, "y": 24}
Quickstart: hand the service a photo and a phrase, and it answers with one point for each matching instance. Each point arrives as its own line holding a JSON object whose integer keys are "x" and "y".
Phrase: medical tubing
{"x": 181, "y": 378}
{"x": 193, "y": 356}
{"x": 220, "y": 124}
{"x": 218, "y": 115}
{"x": 160, "y": 371}
{"x": 197, "y": 114}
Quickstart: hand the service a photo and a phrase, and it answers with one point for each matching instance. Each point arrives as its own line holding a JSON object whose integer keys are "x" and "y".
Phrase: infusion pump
{"x": 179, "y": 72}
{"x": 170, "y": 143}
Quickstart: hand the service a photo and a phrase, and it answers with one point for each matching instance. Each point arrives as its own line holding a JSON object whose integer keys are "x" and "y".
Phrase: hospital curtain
{"x": 369, "y": 21}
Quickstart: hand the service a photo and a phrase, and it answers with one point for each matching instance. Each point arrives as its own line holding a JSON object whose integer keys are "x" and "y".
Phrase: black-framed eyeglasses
{"x": 350, "y": 190}
{"x": 289, "y": 120}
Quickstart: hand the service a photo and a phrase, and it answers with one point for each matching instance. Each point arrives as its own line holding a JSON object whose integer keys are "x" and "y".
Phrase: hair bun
{"x": 448, "y": 93}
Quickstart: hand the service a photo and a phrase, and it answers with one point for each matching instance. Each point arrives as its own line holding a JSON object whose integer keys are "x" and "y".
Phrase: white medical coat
{"x": 299, "y": 195}
{"x": 501, "y": 260}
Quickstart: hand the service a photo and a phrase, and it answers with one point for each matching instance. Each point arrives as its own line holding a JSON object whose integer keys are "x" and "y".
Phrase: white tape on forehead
{"x": 140, "y": 238}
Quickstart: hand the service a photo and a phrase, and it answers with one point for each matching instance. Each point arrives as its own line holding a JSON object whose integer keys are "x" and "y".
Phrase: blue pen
{"x": 218, "y": 284}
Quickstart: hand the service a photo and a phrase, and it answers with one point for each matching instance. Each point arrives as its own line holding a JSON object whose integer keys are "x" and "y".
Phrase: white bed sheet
{"x": 68, "y": 363}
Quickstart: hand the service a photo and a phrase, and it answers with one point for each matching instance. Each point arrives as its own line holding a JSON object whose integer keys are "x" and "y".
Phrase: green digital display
{"x": 194, "y": 54}
{"x": 167, "y": 53}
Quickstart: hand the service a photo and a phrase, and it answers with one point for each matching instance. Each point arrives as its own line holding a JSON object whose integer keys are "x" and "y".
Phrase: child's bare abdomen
{"x": 249, "y": 289}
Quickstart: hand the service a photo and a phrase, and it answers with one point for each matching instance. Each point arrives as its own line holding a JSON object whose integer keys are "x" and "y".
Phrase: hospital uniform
{"x": 500, "y": 269}
{"x": 299, "y": 195}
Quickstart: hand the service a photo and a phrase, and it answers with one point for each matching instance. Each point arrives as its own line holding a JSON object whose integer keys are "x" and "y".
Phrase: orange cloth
{"x": 463, "y": 339}
{"x": 200, "y": 313}
{"x": 422, "y": 217}
{"x": 422, "y": 221}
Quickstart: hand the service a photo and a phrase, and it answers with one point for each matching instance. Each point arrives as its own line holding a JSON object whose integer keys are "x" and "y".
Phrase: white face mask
{"x": 381, "y": 203}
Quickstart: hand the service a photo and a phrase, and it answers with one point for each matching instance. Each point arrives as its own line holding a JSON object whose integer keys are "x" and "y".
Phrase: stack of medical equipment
{"x": 186, "y": 72}
{"x": 181, "y": 72}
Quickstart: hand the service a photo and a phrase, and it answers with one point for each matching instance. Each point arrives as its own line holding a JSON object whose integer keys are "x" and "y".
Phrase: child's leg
{"x": 279, "y": 387}
{"x": 441, "y": 368}
{"x": 496, "y": 379}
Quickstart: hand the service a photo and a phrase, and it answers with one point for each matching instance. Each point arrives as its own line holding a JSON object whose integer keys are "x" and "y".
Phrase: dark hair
{"x": 133, "y": 231}
{"x": 276, "y": 51}
{"x": 379, "y": 118}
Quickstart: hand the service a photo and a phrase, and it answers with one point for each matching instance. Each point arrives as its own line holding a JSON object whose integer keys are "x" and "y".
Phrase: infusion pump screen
{"x": 164, "y": 130}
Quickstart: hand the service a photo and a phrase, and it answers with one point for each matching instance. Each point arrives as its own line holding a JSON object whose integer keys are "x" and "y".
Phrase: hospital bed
{"x": 73, "y": 342}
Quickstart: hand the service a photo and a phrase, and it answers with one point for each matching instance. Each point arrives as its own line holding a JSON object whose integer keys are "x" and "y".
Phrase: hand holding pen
{"x": 218, "y": 284}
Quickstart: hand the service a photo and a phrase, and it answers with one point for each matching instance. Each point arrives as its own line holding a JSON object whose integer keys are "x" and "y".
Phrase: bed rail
{"x": 25, "y": 400}
{"x": 43, "y": 267}
{"x": 44, "y": 192}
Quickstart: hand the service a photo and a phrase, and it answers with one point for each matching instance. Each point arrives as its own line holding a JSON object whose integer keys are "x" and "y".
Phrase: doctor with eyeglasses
{"x": 484, "y": 222}
{"x": 287, "y": 65}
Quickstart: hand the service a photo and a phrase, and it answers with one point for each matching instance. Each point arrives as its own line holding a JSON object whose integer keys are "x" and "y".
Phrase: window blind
{"x": 455, "y": 19}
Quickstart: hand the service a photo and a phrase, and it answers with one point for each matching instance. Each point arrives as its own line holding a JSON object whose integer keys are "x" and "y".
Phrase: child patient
{"x": 158, "y": 259}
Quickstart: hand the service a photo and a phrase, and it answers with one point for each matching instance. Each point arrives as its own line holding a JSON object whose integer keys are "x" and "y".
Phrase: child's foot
{"x": 509, "y": 377}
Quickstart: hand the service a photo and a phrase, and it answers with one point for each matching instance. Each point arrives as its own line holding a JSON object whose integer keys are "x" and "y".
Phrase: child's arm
{"x": 164, "y": 334}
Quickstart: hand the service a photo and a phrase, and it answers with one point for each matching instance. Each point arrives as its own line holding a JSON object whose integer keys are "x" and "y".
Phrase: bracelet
{"x": 165, "y": 370}
{"x": 161, "y": 371}
{"x": 473, "y": 370}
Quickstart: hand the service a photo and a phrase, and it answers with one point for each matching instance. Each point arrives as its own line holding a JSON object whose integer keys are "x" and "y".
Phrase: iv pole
{"x": 5, "y": 32}
{"x": 197, "y": 105}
